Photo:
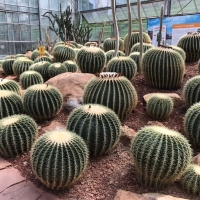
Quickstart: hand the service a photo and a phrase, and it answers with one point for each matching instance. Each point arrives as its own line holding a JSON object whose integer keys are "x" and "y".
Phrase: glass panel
{"x": 23, "y": 2}
{"x": 120, "y": 14}
{"x": 4, "y": 50}
{"x": 2, "y": 32}
{"x": 95, "y": 16}
{"x": 63, "y": 4}
{"x": 103, "y": 16}
{"x": 10, "y": 32}
{"x": 44, "y": 4}
{"x": 197, "y": 2}
{"x": 18, "y": 47}
{"x": 9, "y": 17}
{"x": 2, "y": 17}
{"x": 88, "y": 17}
{"x": 23, "y": 9}
{"x": 25, "y": 46}
{"x": 175, "y": 7}
{"x": 158, "y": 6}
{"x": 25, "y": 33}
{"x": 16, "y": 29}
{"x": 11, "y": 46}
{"x": 34, "y": 33}
{"x": 33, "y": 3}
{"x": 24, "y": 18}
{"x": 15, "y": 18}
{"x": 188, "y": 8}
{"x": 44, "y": 20}
{"x": 10, "y": 7}
{"x": 33, "y": 10}
{"x": 134, "y": 10}
{"x": 2, "y": 6}
{"x": 34, "y": 19}
{"x": 149, "y": 10}
{"x": 54, "y": 5}
{"x": 1, "y": 1}
{"x": 14, "y": 2}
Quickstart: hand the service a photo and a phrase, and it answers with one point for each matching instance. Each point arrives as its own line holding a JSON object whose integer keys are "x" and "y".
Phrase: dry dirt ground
{"x": 106, "y": 174}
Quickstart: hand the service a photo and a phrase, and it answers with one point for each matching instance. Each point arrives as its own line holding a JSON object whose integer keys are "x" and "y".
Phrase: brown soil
{"x": 106, "y": 174}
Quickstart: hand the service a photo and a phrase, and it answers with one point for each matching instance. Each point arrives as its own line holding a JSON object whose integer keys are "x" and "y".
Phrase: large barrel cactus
{"x": 59, "y": 158}
{"x": 7, "y": 66}
{"x": 56, "y": 68}
{"x": 71, "y": 66}
{"x": 109, "y": 44}
{"x": 36, "y": 54}
{"x": 10, "y": 103}
{"x": 180, "y": 51}
{"x": 6, "y": 84}
{"x": 113, "y": 91}
{"x": 135, "y": 56}
{"x": 91, "y": 59}
{"x": 136, "y": 47}
{"x": 98, "y": 125}
{"x": 110, "y": 54}
{"x": 43, "y": 58}
{"x": 190, "y": 43}
{"x": 17, "y": 134}
{"x": 191, "y": 91}
{"x": 42, "y": 101}
{"x": 160, "y": 155}
{"x": 163, "y": 68}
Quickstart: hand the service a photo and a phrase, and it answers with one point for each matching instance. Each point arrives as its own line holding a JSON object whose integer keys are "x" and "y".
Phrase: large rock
{"x": 157, "y": 196}
{"x": 71, "y": 85}
{"x": 127, "y": 132}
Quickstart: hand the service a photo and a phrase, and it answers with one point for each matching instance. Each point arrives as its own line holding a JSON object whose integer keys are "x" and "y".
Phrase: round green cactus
{"x": 190, "y": 180}
{"x": 62, "y": 53}
{"x": 191, "y": 91}
{"x": 9, "y": 57}
{"x": 163, "y": 68}
{"x": 6, "y": 84}
{"x": 29, "y": 78}
{"x": 136, "y": 47}
{"x": 135, "y": 56}
{"x": 36, "y": 53}
{"x": 109, "y": 44}
{"x": 113, "y": 91}
{"x": 10, "y": 103}
{"x": 59, "y": 158}
{"x": 98, "y": 125}
{"x": 71, "y": 66}
{"x": 160, "y": 155}
{"x": 180, "y": 51}
{"x": 43, "y": 58}
{"x": 17, "y": 134}
{"x": 56, "y": 68}
{"x": 159, "y": 106}
{"x": 190, "y": 43}
{"x": 91, "y": 59}
{"x": 21, "y": 65}
{"x": 42, "y": 101}
{"x": 192, "y": 124}
{"x": 20, "y": 56}
{"x": 110, "y": 54}
{"x": 7, "y": 66}
{"x": 124, "y": 65}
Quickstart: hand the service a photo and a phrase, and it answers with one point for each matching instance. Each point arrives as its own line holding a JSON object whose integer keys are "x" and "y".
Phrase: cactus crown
{"x": 95, "y": 109}
{"x": 60, "y": 137}
{"x": 5, "y": 93}
{"x": 196, "y": 169}
{"x": 108, "y": 75}
{"x": 9, "y": 120}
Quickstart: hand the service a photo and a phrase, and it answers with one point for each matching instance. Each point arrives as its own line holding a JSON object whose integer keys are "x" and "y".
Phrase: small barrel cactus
{"x": 59, "y": 158}
{"x": 43, "y": 58}
{"x": 91, "y": 59}
{"x": 124, "y": 65}
{"x": 109, "y": 44}
{"x": 7, "y": 66}
{"x": 192, "y": 124}
{"x": 190, "y": 43}
{"x": 10, "y": 103}
{"x": 191, "y": 91}
{"x": 98, "y": 125}
{"x": 29, "y": 78}
{"x": 6, "y": 84}
{"x": 160, "y": 155}
{"x": 56, "y": 68}
{"x": 112, "y": 90}
{"x": 42, "y": 101}
{"x": 135, "y": 56}
{"x": 190, "y": 180}
{"x": 21, "y": 65}
{"x": 180, "y": 51}
{"x": 20, "y": 56}
{"x": 71, "y": 66}
{"x": 17, "y": 134}
{"x": 110, "y": 54}
{"x": 136, "y": 47}
{"x": 159, "y": 106}
{"x": 36, "y": 53}
{"x": 163, "y": 68}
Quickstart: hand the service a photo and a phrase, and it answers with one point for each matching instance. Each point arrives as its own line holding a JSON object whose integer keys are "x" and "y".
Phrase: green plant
{"x": 136, "y": 47}
{"x": 163, "y": 68}
{"x": 191, "y": 91}
{"x": 190, "y": 180}
{"x": 91, "y": 59}
{"x": 6, "y": 84}
{"x": 20, "y": 56}
{"x": 43, "y": 58}
{"x": 159, "y": 106}
{"x": 36, "y": 53}
{"x": 110, "y": 54}
{"x": 180, "y": 51}
{"x": 7, "y": 66}
{"x": 10, "y": 103}
{"x": 109, "y": 44}
{"x": 190, "y": 43}
{"x": 71, "y": 66}
{"x": 29, "y": 78}
{"x": 98, "y": 125}
{"x": 42, "y": 101}
{"x": 113, "y": 91}
{"x": 160, "y": 155}
{"x": 17, "y": 134}
{"x": 135, "y": 56}
{"x": 55, "y": 69}
{"x": 59, "y": 158}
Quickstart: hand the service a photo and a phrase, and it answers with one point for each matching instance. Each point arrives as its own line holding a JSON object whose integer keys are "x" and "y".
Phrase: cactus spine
{"x": 71, "y": 66}
{"x": 42, "y": 101}
{"x": 113, "y": 91}
{"x": 6, "y": 84}
{"x": 59, "y": 158}
{"x": 98, "y": 125}
{"x": 55, "y": 69}
{"x": 160, "y": 155}
{"x": 7, "y": 66}
{"x": 17, "y": 134}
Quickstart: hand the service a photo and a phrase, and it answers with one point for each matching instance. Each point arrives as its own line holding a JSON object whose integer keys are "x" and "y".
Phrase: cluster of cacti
{"x": 42, "y": 101}
{"x": 7, "y": 66}
{"x": 91, "y": 59}
{"x": 159, "y": 106}
{"x": 111, "y": 90}
{"x": 17, "y": 134}
{"x": 43, "y": 58}
{"x": 58, "y": 158}
{"x": 56, "y": 68}
{"x": 98, "y": 125}
{"x": 190, "y": 43}
{"x": 10, "y": 103}
{"x": 62, "y": 53}
{"x": 36, "y": 53}
{"x": 190, "y": 180}
{"x": 21, "y": 65}
{"x": 71, "y": 66}
{"x": 6, "y": 84}
{"x": 136, "y": 47}
{"x": 109, "y": 44}
{"x": 123, "y": 65}
{"x": 160, "y": 155}
{"x": 192, "y": 124}
{"x": 163, "y": 68}
{"x": 191, "y": 91}
{"x": 110, "y": 54}
{"x": 180, "y": 51}
{"x": 29, "y": 78}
